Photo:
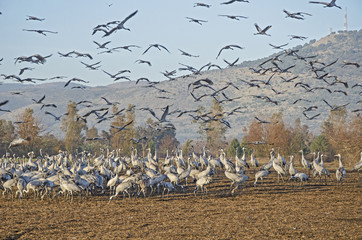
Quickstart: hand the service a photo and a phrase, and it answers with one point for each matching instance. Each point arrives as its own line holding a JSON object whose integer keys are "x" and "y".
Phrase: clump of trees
{"x": 339, "y": 134}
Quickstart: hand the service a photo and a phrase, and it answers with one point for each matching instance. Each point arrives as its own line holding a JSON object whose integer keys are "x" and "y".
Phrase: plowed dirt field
{"x": 272, "y": 211}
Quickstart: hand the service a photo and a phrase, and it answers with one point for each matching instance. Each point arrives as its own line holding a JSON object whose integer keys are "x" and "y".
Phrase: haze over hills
{"x": 342, "y": 46}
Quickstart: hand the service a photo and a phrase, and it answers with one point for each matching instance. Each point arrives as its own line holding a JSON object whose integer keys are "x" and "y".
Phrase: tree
{"x": 166, "y": 140}
{"x": 234, "y": 148}
{"x": 299, "y": 138}
{"x": 94, "y": 145}
{"x": 257, "y": 133}
{"x": 122, "y": 139}
{"x": 29, "y": 129}
{"x": 187, "y": 148}
{"x": 215, "y": 133}
{"x": 320, "y": 144}
{"x": 116, "y": 137}
{"x": 277, "y": 133}
{"x": 7, "y": 134}
{"x": 202, "y": 124}
{"x": 335, "y": 131}
{"x": 73, "y": 128}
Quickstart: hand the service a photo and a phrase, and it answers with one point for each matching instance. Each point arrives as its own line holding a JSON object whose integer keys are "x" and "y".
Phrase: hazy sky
{"x": 157, "y": 21}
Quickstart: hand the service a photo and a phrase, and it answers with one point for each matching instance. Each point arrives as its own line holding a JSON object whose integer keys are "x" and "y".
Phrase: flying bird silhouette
{"x": 262, "y": 31}
{"x": 327, "y": 4}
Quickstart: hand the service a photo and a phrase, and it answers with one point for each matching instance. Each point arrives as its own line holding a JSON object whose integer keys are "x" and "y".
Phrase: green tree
{"x": 320, "y": 144}
{"x": 73, "y": 128}
{"x": 234, "y": 148}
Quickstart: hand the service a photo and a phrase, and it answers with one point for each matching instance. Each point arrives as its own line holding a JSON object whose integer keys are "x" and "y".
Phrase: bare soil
{"x": 272, "y": 211}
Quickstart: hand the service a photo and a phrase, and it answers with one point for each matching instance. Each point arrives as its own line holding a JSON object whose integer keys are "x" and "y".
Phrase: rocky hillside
{"x": 342, "y": 46}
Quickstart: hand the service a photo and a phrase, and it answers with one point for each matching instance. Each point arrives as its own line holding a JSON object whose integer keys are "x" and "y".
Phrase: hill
{"x": 341, "y": 46}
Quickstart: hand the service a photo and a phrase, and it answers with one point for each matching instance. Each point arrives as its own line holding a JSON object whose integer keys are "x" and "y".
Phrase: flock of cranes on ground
{"x": 84, "y": 174}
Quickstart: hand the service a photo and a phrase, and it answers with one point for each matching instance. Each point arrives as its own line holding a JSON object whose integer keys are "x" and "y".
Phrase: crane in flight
{"x": 262, "y": 31}
{"x": 327, "y": 4}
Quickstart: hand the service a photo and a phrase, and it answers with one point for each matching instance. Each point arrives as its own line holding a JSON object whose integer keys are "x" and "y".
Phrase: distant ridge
{"x": 344, "y": 46}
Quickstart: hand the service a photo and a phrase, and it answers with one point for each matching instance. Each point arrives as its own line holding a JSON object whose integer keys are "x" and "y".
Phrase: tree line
{"x": 339, "y": 134}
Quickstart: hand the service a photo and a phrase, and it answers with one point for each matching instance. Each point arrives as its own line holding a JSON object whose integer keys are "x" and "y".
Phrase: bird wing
{"x": 127, "y": 18}
{"x": 165, "y": 113}
{"x": 324, "y": 3}
{"x": 105, "y": 99}
{"x": 164, "y": 48}
{"x": 147, "y": 49}
{"x": 3, "y": 103}
{"x": 257, "y": 28}
{"x": 266, "y": 28}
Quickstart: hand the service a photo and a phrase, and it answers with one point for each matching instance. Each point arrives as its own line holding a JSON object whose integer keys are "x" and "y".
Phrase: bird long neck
{"x": 340, "y": 161}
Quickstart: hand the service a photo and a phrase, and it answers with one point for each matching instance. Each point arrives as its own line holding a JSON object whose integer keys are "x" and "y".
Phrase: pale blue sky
{"x": 157, "y": 21}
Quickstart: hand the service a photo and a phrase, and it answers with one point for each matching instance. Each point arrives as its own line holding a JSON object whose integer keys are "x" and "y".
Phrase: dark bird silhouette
{"x": 301, "y": 99}
{"x": 103, "y": 45}
{"x": 40, "y": 100}
{"x": 69, "y": 54}
{"x": 266, "y": 98}
{"x": 24, "y": 69}
{"x": 263, "y": 121}
{"x": 233, "y": 17}
{"x": 231, "y": 47}
{"x": 231, "y": 64}
{"x": 335, "y": 108}
{"x": 357, "y": 85}
{"x": 340, "y": 91}
{"x": 326, "y": 4}
{"x": 296, "y": 15}
{"x": 55, "y": 117}
{"x": 311, "y": 108}
{"x": 123, "y": 127}
{"x": 163, "y": 117}
{"x": 200, "y": 82}
{"x": 250, "y": 84}
{"x": 115, "y": 75}
{"x": 202, "y": 5}
{"x": 91, "y": 66}
{"x": 3, "y": 102}
{"x": 43, "y": 32}
{"x": 262, "y": 31}
{"x": 32, "y": 18}
{"x": 288, "y": 80}
{"x": 108, "y": 102}
{"x": 120, "y": 25}
{"x": 345, "y": 63}
{"x": 158, "y": 46}
{"x": 267, "y": 82}
{"x": 127, "y": 47}
{"x": 187, "y": 54}
{"x": 198, "y": 21}
{"x": 232, "y": 1}
{"x": 48, "y": 105}
{"x": 311, "y": 118}
{"x": 278, "y": 47}
{"x": 143, "y": 61}
{"x": 82, "y": 55}
{"x": 75, "y": 80}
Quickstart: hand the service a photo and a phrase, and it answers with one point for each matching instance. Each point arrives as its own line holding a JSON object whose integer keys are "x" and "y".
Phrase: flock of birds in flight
{"x": 202, "y": 87}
